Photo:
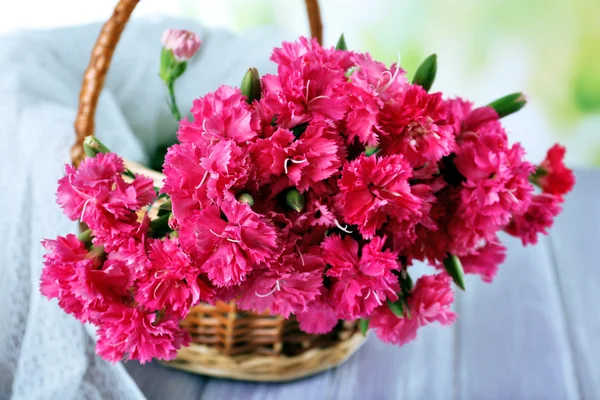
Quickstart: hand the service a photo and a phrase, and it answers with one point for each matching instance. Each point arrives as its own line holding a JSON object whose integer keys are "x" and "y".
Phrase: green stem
{"x": 173, "y": 102}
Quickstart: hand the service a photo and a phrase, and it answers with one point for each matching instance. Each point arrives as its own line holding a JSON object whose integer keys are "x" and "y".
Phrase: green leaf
{"x": 294, "y": 200}
{"x": 298, "y": 130}
{"x": 406, "y": 282}
{"x": 165, "y": 208}
{"x": 454, "y": 268}
{"x": 160, "y": 226}
{"x": 341, "y": 44}
{"x": 509, "y": 104}
{"x": 363, "y": 325}
{"x": 250, "y": 86}
{"x": 397, "y": 307}
{"x": 426, "y": 72}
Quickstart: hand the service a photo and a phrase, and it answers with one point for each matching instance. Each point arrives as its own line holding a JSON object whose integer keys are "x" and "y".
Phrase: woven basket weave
{"x": 226, "y": 342}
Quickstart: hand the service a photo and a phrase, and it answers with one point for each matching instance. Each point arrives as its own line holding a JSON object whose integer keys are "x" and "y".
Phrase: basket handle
{"x": 102, "y": 53}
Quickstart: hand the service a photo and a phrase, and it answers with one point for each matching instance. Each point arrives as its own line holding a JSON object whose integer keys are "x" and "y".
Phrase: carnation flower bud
{"x": 250, "y": 86}
{"x": 454, "y": 268}
{"x": 85, "y": 237}
{"x": 245, "y": 198}
{"x": 178, "y": 47}
{"x": 370, "y": 150}
{"x": 426, "y": 72}
{"x": 363, "y": 325}
{"x": 182, "y": 43}
{"x": 92, "y": 146}
{"x": 508, "y": 104}
{"x": 341, "y": 44}
{"x": 294, "y": 199}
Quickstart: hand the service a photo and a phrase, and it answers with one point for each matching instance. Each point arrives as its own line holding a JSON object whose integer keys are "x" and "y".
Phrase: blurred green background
{"x": 486, "y": 48}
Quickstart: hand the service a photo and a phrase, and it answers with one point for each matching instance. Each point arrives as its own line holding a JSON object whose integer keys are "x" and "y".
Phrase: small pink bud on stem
{"x": 179, "y": 46}
{"x": 184, "y": 44}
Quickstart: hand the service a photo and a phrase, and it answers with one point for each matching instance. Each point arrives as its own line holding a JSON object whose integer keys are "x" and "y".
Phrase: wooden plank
{"x": 158, "y": 382}
{"x": 575, "y": 237}
{"x": 419, "y": 370}
{"x": 422, "y": 369}
{"x": 512, "y": 339}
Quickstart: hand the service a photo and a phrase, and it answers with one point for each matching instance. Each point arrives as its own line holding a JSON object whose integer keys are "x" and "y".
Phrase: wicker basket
{"x": 226, "y": 342}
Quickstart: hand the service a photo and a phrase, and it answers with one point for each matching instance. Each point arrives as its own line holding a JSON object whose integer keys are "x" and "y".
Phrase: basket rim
{"x": 204, "y": 360}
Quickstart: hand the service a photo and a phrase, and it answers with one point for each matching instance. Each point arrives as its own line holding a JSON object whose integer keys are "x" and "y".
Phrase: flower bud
{"x": 85, "y": 237}
{"x": 363, "y": 325}
{"x": 92, "y": 146}
{"x": 341, "y": 44}
{"x": 250, "y": 86}
{"x": 426, "y": 72}
{"x": 370, "y": 150}
{"x": 245, "y": 198}
{"x": 454, "y": 268}
{"x": 182, "y": 43}
{"x": 294, "y": 199}
{"x": 508, "y": 104}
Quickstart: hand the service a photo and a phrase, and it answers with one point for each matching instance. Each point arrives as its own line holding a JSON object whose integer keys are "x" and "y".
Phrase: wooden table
{"x": 532, "y": 334}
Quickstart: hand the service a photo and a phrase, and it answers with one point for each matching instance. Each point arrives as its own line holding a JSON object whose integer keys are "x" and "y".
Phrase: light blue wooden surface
{"x": 532, "y": 334}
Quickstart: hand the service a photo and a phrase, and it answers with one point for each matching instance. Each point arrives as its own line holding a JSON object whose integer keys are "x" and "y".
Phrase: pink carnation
{"x": 431, "y": 298}
{"x": 285, "y": 287}
{"x": 133, "y": 254}
{"x": 390, "y": 328}
{"x": 271, "y": 155}
{"x": 134, "y": 334}
{"x": 319, "y": 318}
{"x": 415, "y": 125}
{"x": 96, "y": 194}
{"x": 307, "y": 53}
{"x": 372, "y": 189}
{"x": 306, "y": 86}
{"x": 318, "y": 212}
{"x": 429, "y": 301}
{"x": 496, "y": 186}
{"x": 484, "y": 260}
{"x": 358, "y": 286}
{"x": 77, "y": 279}
{"x": 553, "y": 176}
{"x": 422, "y": 225}
{"x": 538, "y": 218}
{"x": 227, "y": 250}
{"x": 315, "y": 156}
{"x": 361, "y": 119}
{"x": 170, "y": 281}
{"x": 91, "y": 183}
{"x": 374, "y": 77}
{"x": 183, "y": 43}
{"x": 199, "y": 175}
{"x": 222, "y": 114}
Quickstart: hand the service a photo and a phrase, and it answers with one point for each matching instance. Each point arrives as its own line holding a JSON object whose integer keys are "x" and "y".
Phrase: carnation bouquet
{"x": 307, "y": 193}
